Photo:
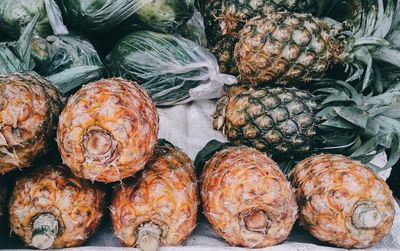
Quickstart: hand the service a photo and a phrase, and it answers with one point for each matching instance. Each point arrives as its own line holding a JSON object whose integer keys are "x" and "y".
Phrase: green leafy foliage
{"x": 361, "y": 126}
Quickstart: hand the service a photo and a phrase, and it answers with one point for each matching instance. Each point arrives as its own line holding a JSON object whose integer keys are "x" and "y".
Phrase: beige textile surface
{"x": 189, "y": 127}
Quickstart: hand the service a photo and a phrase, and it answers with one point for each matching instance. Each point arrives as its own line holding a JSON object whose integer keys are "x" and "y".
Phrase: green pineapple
{"x": 225, "y": 18}
{"x": 288, "y": 122}
{"x": 284, "y": 47}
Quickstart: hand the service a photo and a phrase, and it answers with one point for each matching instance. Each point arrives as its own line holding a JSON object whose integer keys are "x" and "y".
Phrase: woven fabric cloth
{"x": 189, "y": 127}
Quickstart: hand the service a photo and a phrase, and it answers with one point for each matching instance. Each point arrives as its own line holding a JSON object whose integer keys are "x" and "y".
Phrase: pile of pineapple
{"x": 299, "y": 148}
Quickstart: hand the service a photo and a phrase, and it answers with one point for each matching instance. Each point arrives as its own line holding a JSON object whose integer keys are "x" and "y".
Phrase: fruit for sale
{"x": 51, "y": 208}
{"x": 16, "y": 14}
{"x": 172, "y": 69}
{"x": 288, "y": 122}
{"x": 284, "y": 47}
{"x": 246, "y": 197}
{"x": 105, "y": 15}
{"x": 225, "y": 18}
{"x": 342, "y": 202}
{"x": 108, "y": 130}
{"x": 159, "y": 207}
{"x": 29, "y": 109}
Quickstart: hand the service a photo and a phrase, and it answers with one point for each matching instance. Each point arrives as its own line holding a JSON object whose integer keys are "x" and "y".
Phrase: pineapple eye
{"x": 301, "y": 37}
{"x": 250, "y": 131}
{"x": 289, "y": 128}
{"x": 283, "y": 33}
{"x": 296, "y": 107}
{"x": 264, "y": 122}
{"x": 274, "y": 136}
{"x": 318, "y": 45}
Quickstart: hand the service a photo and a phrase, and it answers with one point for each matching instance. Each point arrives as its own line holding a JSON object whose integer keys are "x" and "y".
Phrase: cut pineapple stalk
{"x": 44, "y": 231}
{"x": 149, "y": 235}
{"x": 366, "y": 215}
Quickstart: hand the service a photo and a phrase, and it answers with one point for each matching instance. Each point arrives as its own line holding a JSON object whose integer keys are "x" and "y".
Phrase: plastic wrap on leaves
{"x": 16, "y": 56}
{"x": 58, "y": 53}
{"x": 173, "y": 69}
{"x": 194, "y": 29}
{"x": 104, "y": 15}
{"x": 16, "y": 14}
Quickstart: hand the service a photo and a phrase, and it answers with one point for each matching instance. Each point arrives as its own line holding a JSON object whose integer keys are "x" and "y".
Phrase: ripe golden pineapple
{"x": 342, "y": 202}
{"x": 247, "y": 198}
{"x": 108, "y": 130}
{"x": 160, "y": 206}
{"x": 29, "y": 109}
{"x": 288, "y": 122}
{"x": 52, "y": 209}
{"x": 284, "y": 47}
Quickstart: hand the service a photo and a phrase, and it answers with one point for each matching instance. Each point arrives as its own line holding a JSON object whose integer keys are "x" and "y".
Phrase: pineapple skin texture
{"x": 77, "y": 205}
{"x": 225, "y": 18}
{"x": 276, "y": 120}
{"x": 29, "y": 110}
{"x": 328, "y": 188}
{"x": 241, "y": 178}
{"x": 283, "y": 48}
{"x": 126, "y": 121}
{"x": 166, "y": 194}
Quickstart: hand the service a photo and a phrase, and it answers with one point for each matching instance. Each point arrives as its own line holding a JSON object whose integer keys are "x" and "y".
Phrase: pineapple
{"x": 225, "y": 18}
{"x": 160, "y": 206}
{"x": 50, "y": 208}
{"x": 108, "y": 130}
{"x": 29, "y": 109}
{"x": 288, "y": 122}
{"x": 246, "y": 197}
{"x": 342, "y": 202}
{"x": 284, "y": 47}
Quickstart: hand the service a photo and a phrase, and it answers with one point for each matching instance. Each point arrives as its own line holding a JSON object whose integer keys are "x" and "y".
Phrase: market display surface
{"x": 199, "y": 125}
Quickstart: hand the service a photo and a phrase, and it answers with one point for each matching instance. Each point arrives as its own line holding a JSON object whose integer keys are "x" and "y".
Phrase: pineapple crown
{"x": 371, "y": 40}
{"x": 361, "y": 126}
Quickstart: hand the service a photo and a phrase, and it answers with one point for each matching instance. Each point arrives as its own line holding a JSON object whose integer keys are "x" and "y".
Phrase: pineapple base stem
{"x": 255, "y": 220}
{"x": 366, "y": 215}
{"x": 44, "y": 231}
{"x": 148, "y": 237}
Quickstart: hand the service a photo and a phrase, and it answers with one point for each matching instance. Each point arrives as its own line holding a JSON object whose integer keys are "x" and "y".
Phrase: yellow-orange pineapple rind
{"x": 165, "y": 194}
{"x": 239, "y": 179}
{"x": 124, "y": 112}
{"x": 77, "y": 204}
{"x": 29, "y": 109}
{"x": 328, "y": 187}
